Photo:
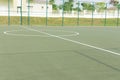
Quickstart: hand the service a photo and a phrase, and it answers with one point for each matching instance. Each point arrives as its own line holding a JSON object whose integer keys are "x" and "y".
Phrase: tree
{"x": 114, "y": 2}
{"x": 118, "y": 6}
{"x": 68, "y": 5}
{"x": 100, "y": 6}
{"x": 51, "y": 2}
{"x": 77, "y": 7}
{"x": 88, "y": 6}
{"x": 60, "y": 6}
{"x": 54, "y": 6}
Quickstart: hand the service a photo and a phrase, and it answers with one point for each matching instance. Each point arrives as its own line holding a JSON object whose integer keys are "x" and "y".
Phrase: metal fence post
{"x": 28, "y": 12}
{"x": 78, "y": 14}
{"x": 8, "y": 12}
{"x": 46, "y": 12}
{"x": 21, "y": 13}
{"x": 63, "y": 14}
{"x": 118, "y": 17}
{"x": 92, "y": 14}
{"x": 105, "y": 14}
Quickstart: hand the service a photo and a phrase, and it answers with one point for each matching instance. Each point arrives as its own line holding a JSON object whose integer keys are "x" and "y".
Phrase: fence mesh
{"x": 59, "y": 13}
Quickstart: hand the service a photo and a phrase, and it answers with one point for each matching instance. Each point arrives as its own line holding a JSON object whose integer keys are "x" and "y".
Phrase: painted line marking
{"x": 77, "y": 42}
{"x": 13, "y": 34}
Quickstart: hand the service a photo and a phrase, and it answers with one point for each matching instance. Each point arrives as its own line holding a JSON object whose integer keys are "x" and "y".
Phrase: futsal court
{"x": 59, "y": 53}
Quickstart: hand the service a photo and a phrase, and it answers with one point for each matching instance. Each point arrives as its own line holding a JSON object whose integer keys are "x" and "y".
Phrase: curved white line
{"x": 10, "y": 33}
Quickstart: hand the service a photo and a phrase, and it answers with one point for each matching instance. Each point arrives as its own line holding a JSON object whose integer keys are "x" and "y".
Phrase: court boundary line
{"x": 77, "y": 42}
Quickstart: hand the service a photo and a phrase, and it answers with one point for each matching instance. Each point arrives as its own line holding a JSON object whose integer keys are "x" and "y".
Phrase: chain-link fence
{"x": 59, "y": 13}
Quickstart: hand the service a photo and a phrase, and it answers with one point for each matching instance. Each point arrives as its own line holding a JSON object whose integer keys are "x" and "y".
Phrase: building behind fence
{"x": 43, "y": 8}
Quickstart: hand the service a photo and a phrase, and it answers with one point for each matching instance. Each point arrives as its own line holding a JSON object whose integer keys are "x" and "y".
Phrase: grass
{"x": 60, "y": 21}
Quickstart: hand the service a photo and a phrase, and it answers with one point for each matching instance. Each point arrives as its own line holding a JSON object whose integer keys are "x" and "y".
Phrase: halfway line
{"x": 77, "y": 42}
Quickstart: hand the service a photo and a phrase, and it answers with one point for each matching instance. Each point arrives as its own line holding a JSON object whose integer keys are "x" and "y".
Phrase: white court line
{"x": 13, "y": 34}
{"x": 77, "y": 42}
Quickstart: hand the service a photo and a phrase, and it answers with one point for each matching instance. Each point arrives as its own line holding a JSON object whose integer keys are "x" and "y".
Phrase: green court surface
{"x": 59, "y": 53}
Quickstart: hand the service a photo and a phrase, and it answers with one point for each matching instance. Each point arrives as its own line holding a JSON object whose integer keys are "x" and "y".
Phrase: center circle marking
{"x": 71, "y": 33}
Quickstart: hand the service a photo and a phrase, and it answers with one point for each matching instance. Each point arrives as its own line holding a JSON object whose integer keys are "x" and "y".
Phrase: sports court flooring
{"x": 59, "y": 53}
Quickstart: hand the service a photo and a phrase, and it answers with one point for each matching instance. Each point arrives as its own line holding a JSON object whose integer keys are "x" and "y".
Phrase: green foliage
{"x": 31, "y": 1}
{"x": 88, "y": 6}
{"x": 71, "y": 1}
{"x": 68, "y": 5}
{"x": 116, "y": 3}
{"x": 54, "y": 6}
{"x": 60, "y": 6}
{"x": 118, "y": 6}
{"x": 100, "y": 6}
{"x": 77, "y": 9}
{"x": 51, "y": 2}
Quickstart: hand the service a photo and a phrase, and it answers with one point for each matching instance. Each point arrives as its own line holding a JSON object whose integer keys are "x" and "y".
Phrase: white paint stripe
{"x": 13, "y": 34}
{"x": 77, "y": 42}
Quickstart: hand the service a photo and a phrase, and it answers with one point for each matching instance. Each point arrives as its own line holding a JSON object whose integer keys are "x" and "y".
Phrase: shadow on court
{"x": 97, "y": 60}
